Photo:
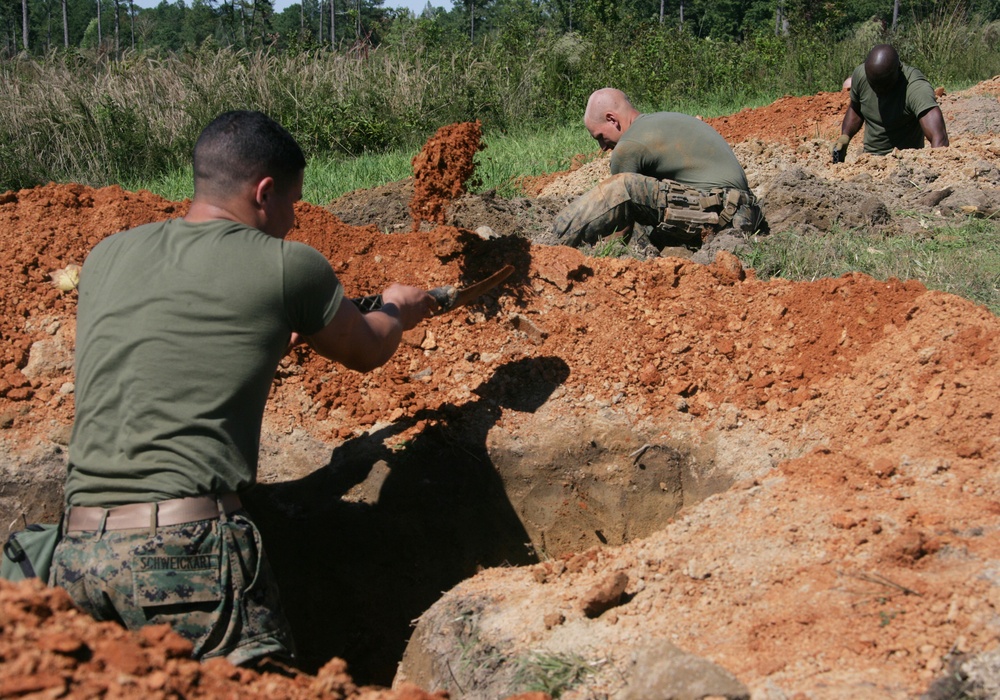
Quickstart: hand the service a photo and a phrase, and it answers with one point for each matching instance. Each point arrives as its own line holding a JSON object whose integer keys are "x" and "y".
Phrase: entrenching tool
{"x": 448, "y": 297}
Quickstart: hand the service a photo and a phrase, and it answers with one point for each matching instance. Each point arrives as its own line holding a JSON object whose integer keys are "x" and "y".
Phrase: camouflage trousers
{"x": 208, "y": 579}
{"x": 679, "y": 214}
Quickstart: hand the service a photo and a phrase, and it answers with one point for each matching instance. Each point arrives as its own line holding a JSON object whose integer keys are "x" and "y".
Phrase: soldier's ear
{"x": 263, "y": 189}
{"x": 612, "y": 118}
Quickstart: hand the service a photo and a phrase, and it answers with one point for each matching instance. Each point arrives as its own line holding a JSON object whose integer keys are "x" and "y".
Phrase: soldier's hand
{"x": 840, "y": 148}
{"x": 414, "y": 304}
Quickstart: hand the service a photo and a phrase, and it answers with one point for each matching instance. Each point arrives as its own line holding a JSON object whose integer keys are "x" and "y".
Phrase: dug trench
{"x": 794, "y": 482}
{"x": 371, "y": 540}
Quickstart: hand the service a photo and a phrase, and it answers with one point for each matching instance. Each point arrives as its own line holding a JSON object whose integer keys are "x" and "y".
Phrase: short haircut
{"x": 242, "y": 146}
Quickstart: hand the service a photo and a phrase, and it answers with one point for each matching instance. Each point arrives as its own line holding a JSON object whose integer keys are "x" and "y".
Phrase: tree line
{"x": 112, "y": 26}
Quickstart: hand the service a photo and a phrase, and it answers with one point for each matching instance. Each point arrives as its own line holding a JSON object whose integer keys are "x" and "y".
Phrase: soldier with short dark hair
{"x": 181, "y": 325}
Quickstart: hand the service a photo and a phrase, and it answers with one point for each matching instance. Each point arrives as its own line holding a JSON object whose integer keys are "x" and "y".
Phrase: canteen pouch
{"x": 28, "y": 553}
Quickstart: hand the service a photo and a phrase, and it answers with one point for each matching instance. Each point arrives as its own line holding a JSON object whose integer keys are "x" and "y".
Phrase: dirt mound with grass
{"x": 637, "y": 471}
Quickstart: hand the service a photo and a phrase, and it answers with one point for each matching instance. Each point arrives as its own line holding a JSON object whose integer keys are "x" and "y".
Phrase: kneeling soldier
{"x": 669, "y": 171}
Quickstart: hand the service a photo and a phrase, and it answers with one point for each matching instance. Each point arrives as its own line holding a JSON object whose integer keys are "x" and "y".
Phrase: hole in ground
{"x": 361, "y": 548}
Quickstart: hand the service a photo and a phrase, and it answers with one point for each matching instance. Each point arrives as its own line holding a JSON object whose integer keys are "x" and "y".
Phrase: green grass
{"x": 530, "y": 152}
{"x": 612, "y": 247}
{"x": 328, "y": 178}
{"x": 551, "y": 673}
{"x": 506, "y": 159}
{"x": 962, "y": 259}
{"x": 175, "y": 185}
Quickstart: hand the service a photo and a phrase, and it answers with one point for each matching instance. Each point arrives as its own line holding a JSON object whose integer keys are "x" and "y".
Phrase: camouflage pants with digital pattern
{"x": 612, "y": 206}
{"x": 209, "y": 579}
{"x": 679, "y": 214}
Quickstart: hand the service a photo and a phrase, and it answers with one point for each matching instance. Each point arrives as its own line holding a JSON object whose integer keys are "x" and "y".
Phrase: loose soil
{"x": 798, "y": 481}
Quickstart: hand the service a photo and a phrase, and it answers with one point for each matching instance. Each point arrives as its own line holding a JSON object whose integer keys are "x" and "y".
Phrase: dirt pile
{"x": 804, "y": 471}
{"x": 50, "y": 649}
{"x": 789, "y": 121}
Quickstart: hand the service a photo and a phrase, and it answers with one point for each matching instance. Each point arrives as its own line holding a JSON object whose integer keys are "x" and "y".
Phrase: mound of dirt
{"x": 788, "y": 120}
{"x": 795, "y": 482}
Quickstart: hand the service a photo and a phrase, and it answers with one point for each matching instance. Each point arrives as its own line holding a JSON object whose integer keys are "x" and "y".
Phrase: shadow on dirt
{"x": 364, "y": 545}
{"x": 479, "y": 258}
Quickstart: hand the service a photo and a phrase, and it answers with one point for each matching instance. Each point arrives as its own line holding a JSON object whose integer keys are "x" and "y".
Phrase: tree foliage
{"x": 341, "y": 24}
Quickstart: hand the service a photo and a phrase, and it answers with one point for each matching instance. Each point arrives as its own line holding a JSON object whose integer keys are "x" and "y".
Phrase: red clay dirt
{"x": 49, "y": 649}
{"x": 441, "y": 170}
{"x": 788, "y": 120}
{"x": 865, "y": 384}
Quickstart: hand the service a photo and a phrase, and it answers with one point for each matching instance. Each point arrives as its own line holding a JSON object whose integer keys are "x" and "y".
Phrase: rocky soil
{"x": 669, "y": 477}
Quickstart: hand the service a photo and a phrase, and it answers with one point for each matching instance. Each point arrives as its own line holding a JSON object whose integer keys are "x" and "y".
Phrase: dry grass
{"x": 85, "y": 118}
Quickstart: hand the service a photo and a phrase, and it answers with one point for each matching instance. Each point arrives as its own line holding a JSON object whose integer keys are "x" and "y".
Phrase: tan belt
{"x": 139, "y": 515}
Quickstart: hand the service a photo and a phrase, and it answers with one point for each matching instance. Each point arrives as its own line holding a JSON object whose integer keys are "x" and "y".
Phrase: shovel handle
{"x": 445, "y": 297}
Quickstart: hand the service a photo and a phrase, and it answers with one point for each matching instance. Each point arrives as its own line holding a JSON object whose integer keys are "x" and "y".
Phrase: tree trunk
{"x": 98, "y": 25}
{"x": 24, "y": 23}
{"x": 117, "y": 12}
{"x": 229, "y": 15}
{"x": 253, "y": 18}
{"x": 682, "y": 14}
{"x": 472, "y": 22}
{"x": 895, "y": 13}
{"x": 320, "y": 22}
{"x": 131, "y": 19}
{"x": 65, "y": 25}
{"x": 333, "y": 25}
{"x": 662, "y": 8}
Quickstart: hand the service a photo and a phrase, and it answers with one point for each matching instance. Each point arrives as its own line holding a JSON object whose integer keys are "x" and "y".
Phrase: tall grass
{"x": 82, "y": 117}
{"x": 950, "y": 46}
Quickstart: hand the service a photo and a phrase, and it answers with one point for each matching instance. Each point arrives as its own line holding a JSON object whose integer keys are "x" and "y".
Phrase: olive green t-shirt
{"x": 892, "y": 120}
{"x": 679, "y": 147}
{"x": 180, "y": 328}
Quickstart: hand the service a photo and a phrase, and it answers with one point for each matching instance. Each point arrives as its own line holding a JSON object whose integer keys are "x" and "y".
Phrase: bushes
{"x": 69, "y": 117}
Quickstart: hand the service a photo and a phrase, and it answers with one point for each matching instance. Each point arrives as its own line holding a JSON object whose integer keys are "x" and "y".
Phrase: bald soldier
{"x": 669, "y": 170}
{"x": 896, "y": 105}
